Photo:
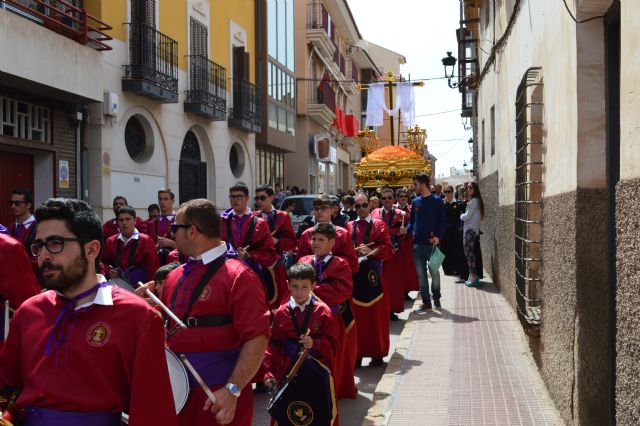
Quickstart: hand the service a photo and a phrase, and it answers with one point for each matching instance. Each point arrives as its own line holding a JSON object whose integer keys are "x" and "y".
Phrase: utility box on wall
{"x": 110, "y": 104}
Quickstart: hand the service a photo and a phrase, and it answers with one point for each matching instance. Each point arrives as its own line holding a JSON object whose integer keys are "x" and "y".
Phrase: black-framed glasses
{"x": 321, "y": 208}
{"x": 361, "y": 206}
{"x": 236, "y": 197}
{"x": 386, "y": 198}
{"x": 175, "y": 226}
{"x": 447, "y": 191}
{"x": 259, "y": 198}
{"x": 54, "y": 244}
{"x": 16, "y": 202}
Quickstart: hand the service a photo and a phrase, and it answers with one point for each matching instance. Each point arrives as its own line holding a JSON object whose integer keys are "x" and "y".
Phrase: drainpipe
{"x": 84, "y": 155}
{"x": 76, "y": 120}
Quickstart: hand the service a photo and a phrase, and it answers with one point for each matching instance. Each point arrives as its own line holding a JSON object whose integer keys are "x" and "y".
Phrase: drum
{"x": 122, "y": 283}
{"x": 179, "y": 382}
{"x": 367, "y": 288}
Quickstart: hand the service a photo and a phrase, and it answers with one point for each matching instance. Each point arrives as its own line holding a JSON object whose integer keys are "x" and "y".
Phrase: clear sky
{"x": 423, "y": 31}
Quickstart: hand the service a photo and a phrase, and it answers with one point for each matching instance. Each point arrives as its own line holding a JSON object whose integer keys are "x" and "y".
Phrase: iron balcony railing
{"x": 64, "y": 18}
{"x": 153, "y": 57}
{"x": 322, "y": 94}
{"x": 247, "y": 103}
{"x": 207, "y": 83}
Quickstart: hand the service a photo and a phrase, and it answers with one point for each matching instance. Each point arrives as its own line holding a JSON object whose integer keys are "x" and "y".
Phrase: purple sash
{"x": 214, "y": 367}
{"x": 38, "y": 416}
{"x": 136, "y": 274}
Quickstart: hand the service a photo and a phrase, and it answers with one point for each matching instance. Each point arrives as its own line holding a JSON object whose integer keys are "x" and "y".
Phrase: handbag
{"x": 436, "y": 259}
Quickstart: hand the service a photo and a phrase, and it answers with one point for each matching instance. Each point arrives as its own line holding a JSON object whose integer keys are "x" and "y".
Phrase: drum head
{"x": 179, "y": 380}
{"x": 122, "y": 284}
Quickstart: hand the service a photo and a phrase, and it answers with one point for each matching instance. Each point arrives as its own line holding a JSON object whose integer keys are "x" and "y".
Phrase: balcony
{"x": 351, "y": 84}
{"x": 246, "y": 113}
{"x": 321, "y": 106}
{"x": 65, "y": 19}
{"x": 153, "y": 68}
{"x": 207, "y": 94}
{"x": 318, "y": 23}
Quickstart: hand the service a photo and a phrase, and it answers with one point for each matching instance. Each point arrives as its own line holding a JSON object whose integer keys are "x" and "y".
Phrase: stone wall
{"x": 627, "y": 302}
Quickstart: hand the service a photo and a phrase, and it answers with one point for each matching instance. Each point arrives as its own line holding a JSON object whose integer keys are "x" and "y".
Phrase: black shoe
{"x": 393, "y": 317}
{"x": 436, "y": 303}
{"x": 424, "y": 308}
{"x": 376, "y": 362}
{"x": 261, "y": 388}
{"x": 407, "y": 297}
{"x": 359, "y": 363}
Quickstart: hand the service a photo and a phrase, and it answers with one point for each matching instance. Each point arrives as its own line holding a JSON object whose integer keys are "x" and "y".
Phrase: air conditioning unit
{"x": 110, "y": 104}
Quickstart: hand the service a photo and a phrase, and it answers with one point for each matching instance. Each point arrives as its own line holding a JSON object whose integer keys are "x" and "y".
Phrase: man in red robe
{"x": 249, "y": 236}
{"x": 84, "y": 351}
{"x": 411, "y": 276}
{"x": 24, "y": 227}
{"x": 371, "y": 241}
{"x": 222, "y": 302}
{"x": 110, "y": 227}
{"x": 395, "y": 220}
{"x": 159, "y": 228}
{"x": 322, "y": 212}
{"x": 130, "y": 254}
{"x": 282, "y": 233}
{"x": 17, "y": 281}
{"x": 334, "y": 286}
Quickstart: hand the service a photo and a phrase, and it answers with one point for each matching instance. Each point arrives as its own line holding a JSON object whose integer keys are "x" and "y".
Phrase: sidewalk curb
{"x": 385, "y": 391}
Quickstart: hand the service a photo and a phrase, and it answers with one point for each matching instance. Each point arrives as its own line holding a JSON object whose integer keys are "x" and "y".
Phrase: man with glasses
{"x": 395, "y": 221}
{"x": 84, "y": 351}
{"x": 371, "y": 241}
{"x": 159, "y": 228}
{"x": 282, "y": 233}
{"x": 24, "y": 228}
{"x": 110, "y": 227}
{"x": 406, "y": 250}
{"x": 250, "y": 238}
{"x": 322, "y": 211}
{"x": 427, "y": 224}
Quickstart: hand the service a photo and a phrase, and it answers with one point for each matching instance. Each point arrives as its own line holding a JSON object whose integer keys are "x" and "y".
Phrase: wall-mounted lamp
{"x": 449, "y": 63}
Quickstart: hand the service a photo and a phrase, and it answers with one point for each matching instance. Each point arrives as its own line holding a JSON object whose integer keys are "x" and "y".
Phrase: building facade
{"x": 554, "y": 133}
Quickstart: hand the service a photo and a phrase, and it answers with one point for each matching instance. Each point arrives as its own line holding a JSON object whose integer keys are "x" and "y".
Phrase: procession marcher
{"x": 322, "y": 208}
{"x": 302, "y": 322}
{"x": 450, "y": 244}
{"x": 282, "y": 233}
{"x": 393, "y": 268}
{"x": 222, "y": 302}
{"x": 371, "y": 241}
{"x": 110, "y": 227}
{"x": 338, "y": 218}
{"x": 159, "y": 229}
{"x": 84, "y": 351}
{"x": 130, "y": 255}
{"x": 427, "y": 223}
{"x": 471, "y": 231}
{"x": 17, "y": 280}
{"x": 334, "y": 286}
{"x": 24, "y": 227}
{"x": 410, "y": 275}
{"x": 248, "y": 235}
{"x": 347, "y": 207}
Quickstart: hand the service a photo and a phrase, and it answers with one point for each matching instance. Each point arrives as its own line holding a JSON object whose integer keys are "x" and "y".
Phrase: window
{"x": 493, "y": 130}
{"x": 280, "y": 32}
{"x": 236, "y": 160}
{"x": 269, "y": 168}
{"x": 199, "y": 38}
{"x": 135, "y": 140}
{"x": 25, "y": 120}
{"x": 483, "y": 141}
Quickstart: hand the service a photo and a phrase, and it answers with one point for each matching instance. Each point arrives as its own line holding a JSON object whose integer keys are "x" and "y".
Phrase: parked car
{"x": 303, "y": 205}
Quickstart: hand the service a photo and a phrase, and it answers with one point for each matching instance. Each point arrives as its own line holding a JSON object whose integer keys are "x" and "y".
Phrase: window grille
{"x": 529, "y": 202}
{"x": 24, "y": 120}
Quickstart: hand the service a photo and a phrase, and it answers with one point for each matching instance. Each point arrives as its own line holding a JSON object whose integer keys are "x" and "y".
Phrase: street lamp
{"x": 415, "y": 139}
{"x": 449, "y": 63}
{"x": 367, "y": 140}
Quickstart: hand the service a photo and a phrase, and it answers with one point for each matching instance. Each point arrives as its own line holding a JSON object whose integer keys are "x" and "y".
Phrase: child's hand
{"x": 306, "y": 342}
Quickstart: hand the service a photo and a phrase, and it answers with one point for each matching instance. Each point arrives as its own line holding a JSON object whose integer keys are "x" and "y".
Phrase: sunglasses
{"x": 402, "y": 196}
{"x": 446, "y": 191}
{"x": 54, "y": 244}
{"x": 361, "y": 206}
{"x": 386, "y": 198}
{"x": 321, "y": 208}
{"x": 16, "y": 203}
{"x": 175, "y": 226}
{"x": 259, "y": 198}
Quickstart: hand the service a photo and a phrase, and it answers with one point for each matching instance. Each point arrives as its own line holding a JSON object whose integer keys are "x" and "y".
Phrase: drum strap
{"x": 247, "y": 238}
{"x": 305, "y": 322}
{"x": 131, "y": 259}
{"x": 207, "y": 320}
{"x": 367, "y": 234}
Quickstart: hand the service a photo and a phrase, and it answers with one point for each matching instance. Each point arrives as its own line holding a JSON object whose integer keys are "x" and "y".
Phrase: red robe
{"x": 373, "y": 340}
{"x": 342, "y": 247}
{"x": 261, "y": 247}
{"x": 174, "y": 257}
{"x": 17, "y": 281}
{"x": 281, "y": 227}
{"x": 234, "y": 290}
{"x": 334, "y": 288}
{"x": 110, "y": 227}
{"x": 146, "y": 256}
{"x": 27, "y": 236}
{"x": 114, "y": 359}
{"x": 394, "y": 267}
{"x": 411, "y": 276}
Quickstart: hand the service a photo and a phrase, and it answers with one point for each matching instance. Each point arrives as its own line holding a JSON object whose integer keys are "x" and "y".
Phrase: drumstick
{"x": 198, "y": 378}
{"x": 163, "y": 306}
{"x": 6, "y": 319}
{"x": 403, "y": 214}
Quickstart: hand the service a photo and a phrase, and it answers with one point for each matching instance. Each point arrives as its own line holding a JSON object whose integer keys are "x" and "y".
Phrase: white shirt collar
{"x": 293, "y": 304}
{"x": 248, "y": 211}
{"x": 268, "y": 211}
{"x": 27, "y": 222}
{"x": 368, "y": 218}
{"x": 134, "y": 236}
{"x": 212, "y": 254}
{"x": 103, "y": 297}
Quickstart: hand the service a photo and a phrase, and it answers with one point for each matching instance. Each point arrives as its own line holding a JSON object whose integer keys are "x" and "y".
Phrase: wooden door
{"x": 17, "y": 172}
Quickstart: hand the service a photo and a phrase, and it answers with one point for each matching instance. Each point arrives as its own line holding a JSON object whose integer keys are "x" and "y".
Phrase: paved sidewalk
{"x": 465, "y": 364}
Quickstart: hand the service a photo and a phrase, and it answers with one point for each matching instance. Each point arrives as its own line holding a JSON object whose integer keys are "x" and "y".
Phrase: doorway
{"x": 192, "y": 171}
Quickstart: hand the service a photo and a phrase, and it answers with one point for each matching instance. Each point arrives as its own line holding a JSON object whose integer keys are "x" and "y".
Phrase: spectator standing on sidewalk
{"x": 451, "y": 246}
{"x": 471, "y": 229}
{"x": 427, "y": 224}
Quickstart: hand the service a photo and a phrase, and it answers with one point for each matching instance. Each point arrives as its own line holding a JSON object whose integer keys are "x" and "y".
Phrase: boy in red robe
{"x": 303, "y": 322}
{"x": 322, "y": 212}
{"x": 334, "y": 286}
{"x": 110, "y": 227}
{"x": 282, "y": 233}
{"x": 159, "y": 227}
{"x": 24, "y": 227}
{"x": 406, "y": 250}
{"x": 84, "y": 351}
{"x": 130, "y": 250}
{"x": 371, "y": 240}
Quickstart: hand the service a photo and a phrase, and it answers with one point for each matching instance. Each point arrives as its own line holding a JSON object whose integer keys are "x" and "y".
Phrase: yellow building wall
{"x": 221, "y": 13}
{"x": 111, "y": 12}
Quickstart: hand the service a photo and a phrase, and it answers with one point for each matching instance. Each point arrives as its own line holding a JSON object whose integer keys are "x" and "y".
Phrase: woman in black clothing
{"x": 450, "y": 245}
